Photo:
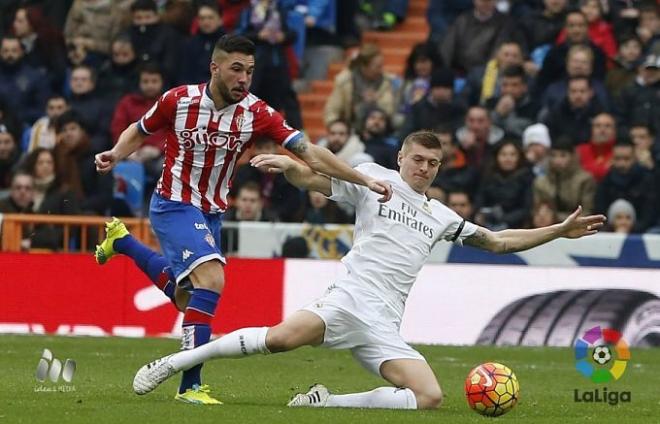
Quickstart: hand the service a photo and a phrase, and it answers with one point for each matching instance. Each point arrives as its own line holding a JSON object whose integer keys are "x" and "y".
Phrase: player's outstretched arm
{"x": 129, "y": 141}
{"x": 508, "y": 241}
{"x": 295, "y": 172}
{"x": 322, "y": 161}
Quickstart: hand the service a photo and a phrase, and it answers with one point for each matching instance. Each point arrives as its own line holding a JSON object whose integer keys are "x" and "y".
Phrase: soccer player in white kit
{"x": 363, "y": 311}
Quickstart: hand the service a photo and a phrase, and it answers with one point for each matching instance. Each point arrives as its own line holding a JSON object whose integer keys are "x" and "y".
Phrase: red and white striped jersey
{"x": 203, "y": 143}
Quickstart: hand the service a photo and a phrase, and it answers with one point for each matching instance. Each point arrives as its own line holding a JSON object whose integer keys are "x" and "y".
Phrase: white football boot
{"x": 316, "y": 397}
{"x": 151, "y": 375}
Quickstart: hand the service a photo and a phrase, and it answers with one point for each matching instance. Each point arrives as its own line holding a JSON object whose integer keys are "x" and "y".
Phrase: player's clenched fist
{"x": 105, "y": 161}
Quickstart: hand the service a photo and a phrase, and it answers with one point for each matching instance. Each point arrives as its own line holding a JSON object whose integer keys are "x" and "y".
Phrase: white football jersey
{"x": 393, "y": 240}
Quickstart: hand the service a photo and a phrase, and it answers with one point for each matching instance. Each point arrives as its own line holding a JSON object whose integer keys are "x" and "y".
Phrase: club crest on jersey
{"x": 209, "y": 239}
{"x": 210, "y": 140}
{"x": 239, "y": 122}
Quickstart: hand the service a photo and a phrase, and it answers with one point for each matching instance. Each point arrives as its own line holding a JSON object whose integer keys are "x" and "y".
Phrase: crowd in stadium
{"x": 541, "y": 105}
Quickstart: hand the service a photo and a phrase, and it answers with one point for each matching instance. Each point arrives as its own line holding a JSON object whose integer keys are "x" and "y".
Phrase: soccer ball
{"x": 602, "y": 355}
{"x": 492, "y": 389}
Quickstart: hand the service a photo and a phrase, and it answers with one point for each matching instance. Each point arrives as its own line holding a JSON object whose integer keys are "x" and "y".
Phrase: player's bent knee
{"x": 429, "y": 399}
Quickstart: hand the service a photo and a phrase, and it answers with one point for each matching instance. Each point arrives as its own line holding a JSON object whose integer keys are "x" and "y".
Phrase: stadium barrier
{"x": 450, "y": 304}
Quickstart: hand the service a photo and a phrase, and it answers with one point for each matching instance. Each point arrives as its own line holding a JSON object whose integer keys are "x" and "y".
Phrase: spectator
{"x": 378, "y": 140}
{"x": 279, "y": 197}
{"x": 455, "y": 174}
{"x": 248, "y": 206}
{"x": 420, "y": 64}
{"x": 628, "y": 180}
{"x": 153, "y": 40}
{"x": 543, "y": 215}
{"x": 648, "y": 28}
{"x": 9, "y": 156}
{"x": 42, "y": 43}
{"x": 91, "y": 25}
{"x": 484, "y": 82}
{"x": 265, "y": 24}
{"x": 596, "y": 155}
{"x": 639, "y": 101}
{"x": 442, "y": 13}
{"x": 460, "y": 202}
{"x": 8, "y": 119}
{"x": 119, "y": 75}
{"x": 565, "y": 186}
{"x": 322, "y": 44}
{"x": 22, "y": 88}
{"x": 504, "y": 199}
{"x": 536, "y": 143}
{"x": 478, "y": 135}
{"x": 579, "y": 63}
{"x": 600, "y": 31}
{"x": 42, "y": 134}
{"x": 621, "y": 217}
{"x": 472, "y": 38}
{"x": 94, "y": 111}
{"x": 438, "y": 108}
{"x": 572, "y": 116}
{"x": 625, "y": 65}
{"x": 541, "y": 28}
{"x": 341, "y": 141}
{"x": 130, "y": 109}
{"x": 49, "y": 197}
{"x": 198, "y": 49}
{"x": 21, "y": 195}
{"x": 554, "y": 64}
{"x": 361, "y": 87}
{"x": 514, "y": 109}
{"x": 75, "y": 163}
{"x": 642, "y": 138}
{"x": 319, "y": 210}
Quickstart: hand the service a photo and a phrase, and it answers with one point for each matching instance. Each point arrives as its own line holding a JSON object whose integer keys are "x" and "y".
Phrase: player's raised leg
{"x": 300, "y": 329}
{"x": 415, "y": 388}
{"x": 119, "y": 240}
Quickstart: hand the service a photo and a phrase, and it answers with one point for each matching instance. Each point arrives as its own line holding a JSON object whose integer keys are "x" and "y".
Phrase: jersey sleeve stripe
{"x": 292, "y": 139}
{"x": 458, "y": 231}
{"x": 141, "y": 128}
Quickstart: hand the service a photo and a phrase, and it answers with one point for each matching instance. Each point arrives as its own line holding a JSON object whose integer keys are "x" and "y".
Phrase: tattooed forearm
{"x": 481, "y": 239}
{"x": 299, "y": 146}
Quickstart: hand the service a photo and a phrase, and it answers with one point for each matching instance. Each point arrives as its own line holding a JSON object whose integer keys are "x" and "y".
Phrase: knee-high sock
{"x": 151, "y": 263}
{"x": 197, "y": 330}
{"x": 382, "y": 397}
{"x": 240, "y": 343}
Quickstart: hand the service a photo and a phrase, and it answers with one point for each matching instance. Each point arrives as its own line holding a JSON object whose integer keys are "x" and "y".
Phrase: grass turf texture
{"x": 256, "y": 389}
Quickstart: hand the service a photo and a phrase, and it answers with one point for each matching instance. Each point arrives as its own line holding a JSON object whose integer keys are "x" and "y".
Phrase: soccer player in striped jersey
{"x": 208, "y": 127}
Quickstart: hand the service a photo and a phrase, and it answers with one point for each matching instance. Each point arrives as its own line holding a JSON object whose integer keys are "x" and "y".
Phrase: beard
{"x": 227, "y": 96}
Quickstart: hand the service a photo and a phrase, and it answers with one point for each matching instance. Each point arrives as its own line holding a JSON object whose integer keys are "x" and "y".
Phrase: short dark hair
{"x": 424, "y": 138}
{"x": 92, "y": 72}
{"x": 249, "y": 186}
{"x": 140, "y": 5}
{"x": 624, "y": 142}
{"x": 459, "y": 191}
{"x": 69, "y": 117}
{"x": 210, "y": 4}
{"x": 150, "y": 68}
{"x": 579, "y": 78}
{"x": 563, "y": 143}
{"x": 56, "y": 97}
{"x": 514, "y": 71}
{"x": 232, "y": 43}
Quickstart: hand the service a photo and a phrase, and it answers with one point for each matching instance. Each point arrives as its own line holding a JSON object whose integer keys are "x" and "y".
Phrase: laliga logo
{"x": 52, "y": 367}
{"x": 596, "y": 348}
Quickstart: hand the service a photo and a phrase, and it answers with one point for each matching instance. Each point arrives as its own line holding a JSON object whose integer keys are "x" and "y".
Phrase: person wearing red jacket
{"x": 131, "y": 108}
{"x": 596, "y": 155}
{"x": 600, "y": 31}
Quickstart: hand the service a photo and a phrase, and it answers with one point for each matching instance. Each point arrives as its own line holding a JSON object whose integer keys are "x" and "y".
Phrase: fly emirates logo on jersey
{"x": 406, "y": 215}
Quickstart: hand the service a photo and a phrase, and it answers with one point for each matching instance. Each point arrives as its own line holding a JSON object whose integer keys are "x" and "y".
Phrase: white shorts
{"x": 351, "y": 323}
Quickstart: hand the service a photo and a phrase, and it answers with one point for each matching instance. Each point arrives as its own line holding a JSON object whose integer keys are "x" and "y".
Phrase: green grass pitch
{"x": 256, "y": 389}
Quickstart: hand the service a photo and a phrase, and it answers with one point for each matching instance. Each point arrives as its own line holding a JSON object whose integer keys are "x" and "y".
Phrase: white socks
{"x": 243, "y": 342}
{"x": 382, "y": 397}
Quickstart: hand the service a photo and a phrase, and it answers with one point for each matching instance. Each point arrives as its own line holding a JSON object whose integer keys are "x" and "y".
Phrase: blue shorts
{"x": 188, "y": 237}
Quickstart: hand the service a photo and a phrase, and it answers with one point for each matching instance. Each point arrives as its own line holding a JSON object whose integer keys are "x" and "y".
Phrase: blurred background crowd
{"x": 541, "y": 105}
